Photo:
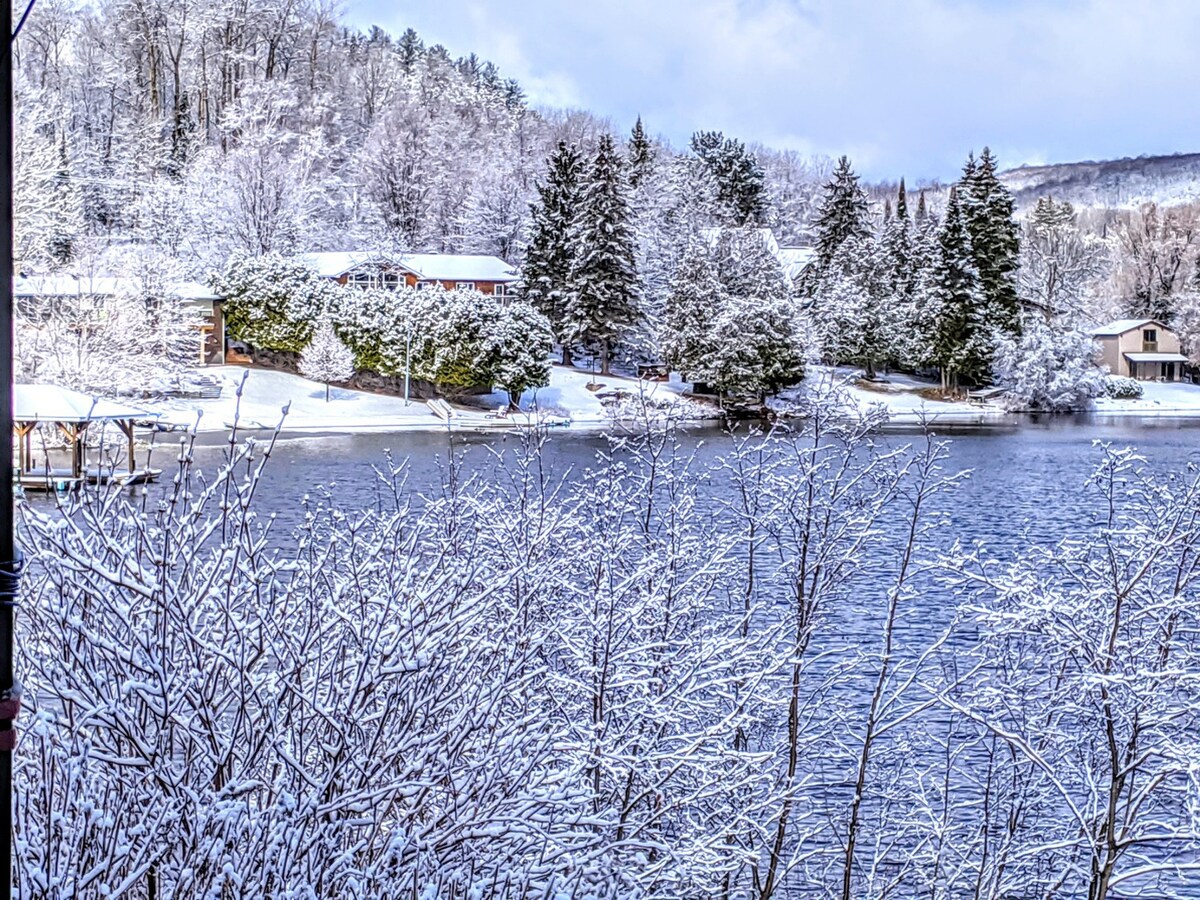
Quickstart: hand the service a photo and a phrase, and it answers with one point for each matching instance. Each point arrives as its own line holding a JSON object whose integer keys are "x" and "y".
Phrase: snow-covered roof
{"x": 1120, "y": 326}
{"x": 795, "y": 259}
{"x": 50, "y": 403}
{"x": 103, "y": 286}
{"x": 426, "y": 266}
{"x": 334, "y": 265}
{"x": 458, "y": 267}
{"x": 1156, "y": 357}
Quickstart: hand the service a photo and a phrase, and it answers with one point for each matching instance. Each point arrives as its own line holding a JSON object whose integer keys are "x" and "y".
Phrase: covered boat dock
{"x": 72, "y": 413}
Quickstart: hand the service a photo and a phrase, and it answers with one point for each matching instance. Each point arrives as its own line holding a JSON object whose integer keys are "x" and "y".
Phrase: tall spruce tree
{"x": 604, "y": 302}
{"x": 902, "y": 202}
{"x": 641, "y": 155}
{"x": 962, "y": 341}
{"x": 988, "y": 208}
{"x": 550, "y": 257}
{"x": 843, "y": 215}
{"x": 741, "y": 182}
{"x": 922, "y": 209}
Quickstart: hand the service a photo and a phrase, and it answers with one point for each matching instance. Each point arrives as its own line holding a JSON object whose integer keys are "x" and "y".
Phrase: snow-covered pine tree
{"x": 550, "y": 256}
{"x": 860, "y": 314}
{"x": 747, "y": 266}
{"x": 326, "y": 358}
{"x": 521, "y": 342}
{"x": 922, "y": 208}
{"x": 692, "y": 306}
{"x": 641, "y": 155}
{"x": 843, "y": 215}
{"x": 757, "y": 347}
{"x": 988, "y": 207}
{"x": 962, "y": 341}
{"x": 741, "y": 183}
{"x": 604, "y": 302}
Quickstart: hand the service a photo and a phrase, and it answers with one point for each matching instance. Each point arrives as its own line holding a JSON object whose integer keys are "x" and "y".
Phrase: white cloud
{"x": 906, "y": 85}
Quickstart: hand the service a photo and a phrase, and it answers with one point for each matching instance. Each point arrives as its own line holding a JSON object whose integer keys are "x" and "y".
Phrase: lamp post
{"x": 407, "y": 356}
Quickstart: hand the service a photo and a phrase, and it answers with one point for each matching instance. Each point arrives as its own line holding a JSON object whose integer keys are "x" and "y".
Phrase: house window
{"x": 1150, "y": 335}
{"x": 501, "y": 290}
{"x": 464, "y": 285}
{"x": 424, "y": 285}
{"x": 359, "y": 279}
{"x": 391, "y": 280}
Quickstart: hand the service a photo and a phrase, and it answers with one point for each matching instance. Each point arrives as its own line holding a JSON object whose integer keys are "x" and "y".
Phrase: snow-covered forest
{"x": 186, "y": 136}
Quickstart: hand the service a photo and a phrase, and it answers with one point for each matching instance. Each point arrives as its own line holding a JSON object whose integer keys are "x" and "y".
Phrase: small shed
{"x": 1144, "y": 349}
{"x": 72, "y": 413}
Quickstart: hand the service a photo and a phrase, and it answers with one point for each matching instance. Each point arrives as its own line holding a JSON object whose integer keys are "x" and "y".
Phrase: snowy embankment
{"x": 567, "y": 399}
{"x": 905, "y": 399}
{"x": 1158, "y": 399}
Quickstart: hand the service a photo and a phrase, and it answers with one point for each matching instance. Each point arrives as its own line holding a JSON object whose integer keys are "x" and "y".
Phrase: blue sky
{"x": 905, "y": 87}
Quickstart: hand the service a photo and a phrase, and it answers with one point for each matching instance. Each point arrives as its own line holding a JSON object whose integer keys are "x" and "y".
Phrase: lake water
{"x": 1026, "y": 485}
{"x": 1025, "y": 479}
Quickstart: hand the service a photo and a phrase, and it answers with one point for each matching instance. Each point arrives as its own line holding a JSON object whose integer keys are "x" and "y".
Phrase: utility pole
{"x": 10, "y": 566}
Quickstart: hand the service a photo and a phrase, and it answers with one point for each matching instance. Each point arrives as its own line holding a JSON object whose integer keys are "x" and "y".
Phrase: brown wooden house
{"x": 486, "y": 274}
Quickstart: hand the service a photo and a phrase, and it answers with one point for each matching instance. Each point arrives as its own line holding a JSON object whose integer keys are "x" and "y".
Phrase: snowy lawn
{"x": 1158, "y": 399}
{"x": 267, "y": 391}
{"x": 594, "y": 400}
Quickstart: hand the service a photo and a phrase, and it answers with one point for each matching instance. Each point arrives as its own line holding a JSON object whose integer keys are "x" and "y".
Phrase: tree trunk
{"x": 566, "y": 355}
{"x": 604, "y": 370}
{"x": 327, "y": 392}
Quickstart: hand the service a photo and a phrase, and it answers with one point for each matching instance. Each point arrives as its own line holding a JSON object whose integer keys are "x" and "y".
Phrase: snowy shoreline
{"x": 591, "y": 403}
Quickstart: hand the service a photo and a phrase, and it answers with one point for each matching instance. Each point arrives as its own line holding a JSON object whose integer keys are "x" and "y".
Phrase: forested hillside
{"x": 269, "y": 126}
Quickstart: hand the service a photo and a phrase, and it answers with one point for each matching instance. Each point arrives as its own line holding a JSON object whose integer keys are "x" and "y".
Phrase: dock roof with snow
{"x": 51, "y": 403}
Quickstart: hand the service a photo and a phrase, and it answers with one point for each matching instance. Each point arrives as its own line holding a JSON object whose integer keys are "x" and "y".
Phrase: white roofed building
{"x": 192, "y": 295}
{"x": 1144, "y": 349}
{"x": 486, "y": 274}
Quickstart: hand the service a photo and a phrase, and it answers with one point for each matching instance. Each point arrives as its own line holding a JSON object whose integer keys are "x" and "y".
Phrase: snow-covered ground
{"x": 265, "y": 393}
{"x": 897, "y": 394}
{"x": 1158, "y": 399}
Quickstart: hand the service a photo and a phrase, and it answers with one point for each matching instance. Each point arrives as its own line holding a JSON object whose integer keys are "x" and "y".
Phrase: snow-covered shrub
{"x": 1121, "y": 387}
{"x": 272, "y": 302}
{"x": 1048, "y": 369}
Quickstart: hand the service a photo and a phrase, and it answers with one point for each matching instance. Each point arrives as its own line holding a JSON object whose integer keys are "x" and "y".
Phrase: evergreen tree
{"x": 747, "y": 266}
{"x": 409, "y": 48}
{"x": 641, "y": 155}
{"x": 902, "y": 202}
{"x": 603, "y": 305}
{"x": 692, "y": 306}
{"x": 843, "y": 215}
{"x": 326, "y": 358}
{"x": 741, "y": 183}
{"x": 988, "y": 207}
{"x": 961, "y": 345}
{"x": 922, "y": 209}
{"x": 550, "y": 257}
